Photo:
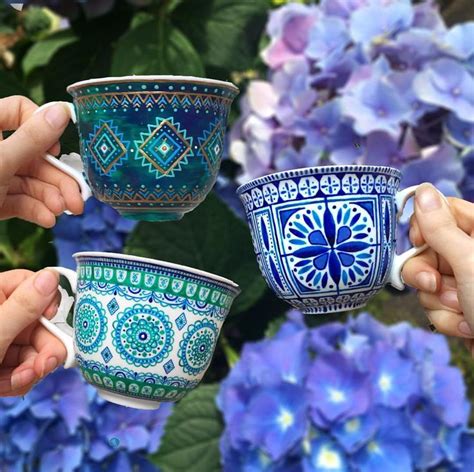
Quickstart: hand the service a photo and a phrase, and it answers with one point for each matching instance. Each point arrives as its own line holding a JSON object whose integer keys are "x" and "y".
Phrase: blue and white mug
{"x": 325, "y": 236}
{"x": 144, "y": 331}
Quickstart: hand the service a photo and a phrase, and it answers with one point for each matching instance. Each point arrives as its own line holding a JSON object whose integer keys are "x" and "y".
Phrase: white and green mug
{"x": 144, "y": 330}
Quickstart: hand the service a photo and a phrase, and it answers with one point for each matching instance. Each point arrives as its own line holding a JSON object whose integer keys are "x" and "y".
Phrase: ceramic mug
{"x": 325, "y": 236}
{"x": 151, "y": 146}
{"x": 144, "y": 331}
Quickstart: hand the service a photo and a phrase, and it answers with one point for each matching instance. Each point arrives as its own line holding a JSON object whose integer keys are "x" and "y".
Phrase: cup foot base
{"x": 128, "y": 401}
{"x": 324, "y": 310}
{"x": 152, "y": 216}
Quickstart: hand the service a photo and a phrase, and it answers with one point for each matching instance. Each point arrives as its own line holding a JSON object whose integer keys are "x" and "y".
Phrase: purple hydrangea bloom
{"x": 368, "y": 397}
{"x": 99, "y": 228}
{"x": 358, "y": 82}
{"x": 63, "y": 425}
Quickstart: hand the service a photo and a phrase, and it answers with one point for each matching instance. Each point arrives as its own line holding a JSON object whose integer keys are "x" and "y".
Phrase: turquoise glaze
{"x": 152, "y": 146}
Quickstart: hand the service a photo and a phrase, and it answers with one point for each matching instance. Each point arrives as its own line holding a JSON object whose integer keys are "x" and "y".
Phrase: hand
{"x": 30, "y": 188}
{"x": 28, "y": 351}
{"x": 444, "y": 274}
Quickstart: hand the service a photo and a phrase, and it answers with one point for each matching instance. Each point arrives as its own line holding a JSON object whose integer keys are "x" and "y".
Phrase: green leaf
{"x": 10, "y": 84}
{"x": 210, "y": 238}
{"x": 42, "y": 52}
{"x": 156, "y": 47}
{"x": 192, "y": 434}
{"x": 225, "y": 32}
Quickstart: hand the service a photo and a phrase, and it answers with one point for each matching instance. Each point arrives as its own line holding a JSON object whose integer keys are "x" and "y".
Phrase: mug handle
{"x": 58, "y": 325}
{"x": 77, "y": 175}
{"x": 399, "y": 260}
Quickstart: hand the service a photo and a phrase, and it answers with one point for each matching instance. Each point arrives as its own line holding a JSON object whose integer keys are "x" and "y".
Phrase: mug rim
{"x": 305, "y": 171}
{"x": 152, "y": 78}
{"x": 169, "y": 265}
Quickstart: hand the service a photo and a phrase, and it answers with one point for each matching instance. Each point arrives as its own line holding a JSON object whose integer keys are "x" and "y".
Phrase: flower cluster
{"x": 62, "y": 426}
{"x": 361, "y": 81}
{"x": 346, "y": 397}
{"x": 99, "y": 228}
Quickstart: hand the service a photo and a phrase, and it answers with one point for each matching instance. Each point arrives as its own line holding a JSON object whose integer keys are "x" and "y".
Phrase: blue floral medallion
{"x": 324, "y": 236}
{"x": 197, "y": 346}
{"x": 143, "y": 335}
{"x": 91, "y": 324}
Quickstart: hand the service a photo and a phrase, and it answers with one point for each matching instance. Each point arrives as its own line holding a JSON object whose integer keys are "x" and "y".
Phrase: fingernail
{"x": 450, "y": 299}
{"x": 426, "y": 282}
{"x": 428, "y": 198}
{"x": 57, "y": 116}
{"x": 49, "y": 366}
{"x": 464, "y": 328}
{"x": 411, "y": 235}
{"x": 22, "y": 378}
{"x": 46, "y": 282}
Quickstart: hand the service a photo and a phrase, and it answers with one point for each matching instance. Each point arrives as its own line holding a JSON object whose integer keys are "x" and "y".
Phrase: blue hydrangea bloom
{"x": 368, "y": 398}
{"x": 63, "y": 425}
{"x": 99, "y": 228}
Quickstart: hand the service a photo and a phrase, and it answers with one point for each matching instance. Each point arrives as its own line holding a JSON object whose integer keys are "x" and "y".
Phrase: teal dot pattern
{"x": 143, "y": 335}
{"x": 91, "y": 325}
{"x": 197, "y": 346}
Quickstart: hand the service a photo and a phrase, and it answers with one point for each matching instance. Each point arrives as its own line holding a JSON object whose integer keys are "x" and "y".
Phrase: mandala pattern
{"x": 331, "y": 245}
{"x": 324, "y": 237}
{"x": 91, "y": 325}
{"x": 165, "y": 147}
{"x": 143, "y": 335}
{"x": 197, "y": 346}
{"x": 107, "y": 147}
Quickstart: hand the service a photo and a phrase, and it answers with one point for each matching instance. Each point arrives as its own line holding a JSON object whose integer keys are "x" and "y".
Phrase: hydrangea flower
{"x": 99, "y": 228}
{"x": 360, "y": 82}
{"x": 63, "y": 425}
{"x": 364, "y": 396}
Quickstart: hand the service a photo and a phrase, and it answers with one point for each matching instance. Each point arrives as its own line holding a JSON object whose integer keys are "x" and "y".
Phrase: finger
{"x": 25, "y": 306}
{"x": 31, "y": 141}
{"x": 42, "y": 191}
{"x": 10, "y": 280}
{"x": 444, "y": 267}
{"x": 52, "y": 309}
{"x": 51, "y": 352}
{"x": 449, "y": 323}
{"x": 28, "y": 209}
{"x": 68, "y": 187}
{"x": 421, "y": 272}
{"x": 414, "y": 234}
{"x": 14, "y": 111}
{"x": 14, "y": 379}
{"x": 448, "y": 282}
{"x": 463, "y": 212}
{"x": 17, "y": 354}
{"x": 432, "y": 301}
{"x": 440, "y": 231}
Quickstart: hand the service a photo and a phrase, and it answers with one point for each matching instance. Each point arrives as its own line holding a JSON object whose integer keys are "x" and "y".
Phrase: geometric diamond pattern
{"x": 106, "y": 354}
{"x": 165, "y": 147}
{"x": 213, "y": 146}
{"x": 106, "y": 148}
{"x": 169, "y": 366}
{"x": 181, "y": 321}
{"x": 113, "y": 306}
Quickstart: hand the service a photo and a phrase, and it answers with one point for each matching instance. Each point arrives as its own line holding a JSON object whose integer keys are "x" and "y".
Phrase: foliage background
{"x": 40, "y": 55}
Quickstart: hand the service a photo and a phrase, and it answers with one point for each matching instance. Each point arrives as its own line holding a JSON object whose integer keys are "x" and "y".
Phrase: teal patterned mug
{"x": 144, "y": 331}
{"x": 151, "y": 146}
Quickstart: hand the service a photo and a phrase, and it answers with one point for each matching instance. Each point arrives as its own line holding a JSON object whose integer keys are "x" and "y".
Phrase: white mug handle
{"x": 77, "y": 175}
{"x": 399, "y": 260}
{"x": 58, "y": 325}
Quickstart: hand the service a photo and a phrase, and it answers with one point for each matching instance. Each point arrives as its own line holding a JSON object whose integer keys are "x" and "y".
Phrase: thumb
{"x": 440, "y": 230}
{"x": 25, "y": 305}
{"x": 32, "y": 139}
